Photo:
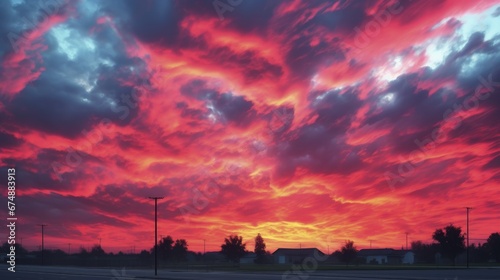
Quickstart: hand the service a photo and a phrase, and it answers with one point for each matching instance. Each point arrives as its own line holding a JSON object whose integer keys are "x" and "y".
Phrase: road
{"x": 71, "y": 273}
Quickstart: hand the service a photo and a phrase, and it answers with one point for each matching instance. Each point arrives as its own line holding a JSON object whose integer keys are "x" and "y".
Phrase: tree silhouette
{"x": 179, "y": 251}
{"x": 493, "y": 245}
{"x": 20, "y": 250}
{"x": 97, "y": 251}
{"x": 451, "y": 241}
{"x": 260, "y": 249}
{"x": 233, "y": 248}
{"x": 349, "y": 252}
{"x": 424, "y": 253}
{"x": 165, "y": 248}
{"x": 83, "y": 252}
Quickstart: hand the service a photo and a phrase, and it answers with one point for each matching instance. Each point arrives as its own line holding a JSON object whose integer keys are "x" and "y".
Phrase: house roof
{"x": 295, "y": 251}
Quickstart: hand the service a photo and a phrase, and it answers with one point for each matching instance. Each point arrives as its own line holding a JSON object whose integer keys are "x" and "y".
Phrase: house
{"x": 294, "y": 256}
{"x": 387, "y": 256}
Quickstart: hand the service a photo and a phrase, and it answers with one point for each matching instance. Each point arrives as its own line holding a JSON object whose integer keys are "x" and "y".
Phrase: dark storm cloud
{"x": 411, "y": 109}
{"x": 405, "y": 96}
{"x": 234, "y": 108}
{"x": 8, "y": 141}
{"x": 494, "y": 163}
{"x": 151, "y": 21}
{"x": 158, "y": 22}
{"x": 455, "y": 62}
{"x": 414, "y": 109}
{"x": 7, "y": 16}
{"x": 240, "y": 15}
{"x": 345, "y": 19}
{"x": 320, "y": 147}
{"x": 58, "y": 103}
{"x": 66, "y": 211}
{"x": 42, "y": 171}
{"x": 63, "y": 112}
{"x": 475, "y": 41}
{"x": 17, "y": 21}
{"x": 483, "y": 75}
{"x": 304, "y": 58}
{"x": 252, "y": 16}
{"x": 39, "y": 180}
{"x": 253, "y": 66}
{"x": 336, "y": 109}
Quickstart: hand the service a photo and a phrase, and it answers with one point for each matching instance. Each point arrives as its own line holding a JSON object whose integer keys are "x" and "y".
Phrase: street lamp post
{"x": 43, "y": 226}
{"x": 156, "y": 231}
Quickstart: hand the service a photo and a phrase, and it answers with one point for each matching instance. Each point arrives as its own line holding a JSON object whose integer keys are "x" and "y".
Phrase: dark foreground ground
{"x": 39, "y": 272}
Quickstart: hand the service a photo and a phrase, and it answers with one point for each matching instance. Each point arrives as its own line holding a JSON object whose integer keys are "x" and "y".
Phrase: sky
{"x": 309, "y": 122}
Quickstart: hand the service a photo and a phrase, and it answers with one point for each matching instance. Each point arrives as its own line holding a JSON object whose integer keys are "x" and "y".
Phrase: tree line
{"x": 449, "y": 242}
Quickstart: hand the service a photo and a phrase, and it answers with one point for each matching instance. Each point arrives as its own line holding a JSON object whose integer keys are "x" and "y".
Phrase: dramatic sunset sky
{"x": 310, "y": 122}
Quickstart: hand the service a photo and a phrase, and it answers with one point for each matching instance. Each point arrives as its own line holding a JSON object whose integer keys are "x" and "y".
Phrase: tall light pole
{"x": 468, "y": 208}
{"x": 43, "y": 226}
{"x": 156, "y": 230}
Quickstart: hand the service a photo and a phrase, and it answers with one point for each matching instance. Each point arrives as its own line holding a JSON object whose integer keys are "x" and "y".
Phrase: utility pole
{"x": 203, "y": 258}
{"x": 43, "y": 226}
{"x": 468, "y": 208}
{"x": 370, "y": 243}
{"x": 69, "y": 248}
{"x": 406, "y": 240}
{"x": 99, "y": 242}
{"x": 156, "y": 231}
